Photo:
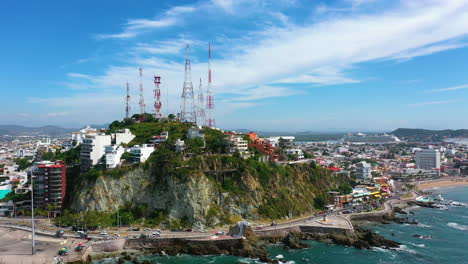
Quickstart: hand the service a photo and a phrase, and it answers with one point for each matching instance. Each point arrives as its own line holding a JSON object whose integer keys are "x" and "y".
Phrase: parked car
{"x": 219, "y": 233}
{"x": 188, "y": 230}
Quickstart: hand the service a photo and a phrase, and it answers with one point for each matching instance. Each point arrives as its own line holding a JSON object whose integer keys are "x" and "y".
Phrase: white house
{"x": 81, "y": 135}
{"x": 113, "y": 155}
{"x": 295, "y": 151}
{"x": 93, "y": 149}
{"x": 161, "y": 138}
{"x": 196, "y": 132}
{"x": 237, "y": 144}
{"x": 123, "y": 137}
{"x": 141, "y": 153}
{"x": 179, "y": 145}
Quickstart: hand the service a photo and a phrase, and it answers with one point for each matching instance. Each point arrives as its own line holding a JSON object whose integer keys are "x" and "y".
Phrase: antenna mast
{"x": 187, "y": 111}
{"x": 157, "y": 97}
{"x": 127, "y": 107}
{"x": 142, "y": 99}
{"x": 201, "y": 106}
{"x": 210, "y": 121}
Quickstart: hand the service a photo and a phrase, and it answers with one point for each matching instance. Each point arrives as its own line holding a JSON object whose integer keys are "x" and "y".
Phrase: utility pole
{"x": 32, "y": 215}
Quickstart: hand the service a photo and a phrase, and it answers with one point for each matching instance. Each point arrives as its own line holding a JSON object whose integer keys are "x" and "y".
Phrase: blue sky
{"x": 289, "y": 65}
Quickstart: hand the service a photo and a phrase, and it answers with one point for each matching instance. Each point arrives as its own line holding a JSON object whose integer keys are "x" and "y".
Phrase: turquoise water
{"x": 448, "y": 228}
{"x": 3, "y": 193}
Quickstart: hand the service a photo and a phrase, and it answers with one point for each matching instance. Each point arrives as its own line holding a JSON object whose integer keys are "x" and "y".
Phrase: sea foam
{"x": 458, "y": 226}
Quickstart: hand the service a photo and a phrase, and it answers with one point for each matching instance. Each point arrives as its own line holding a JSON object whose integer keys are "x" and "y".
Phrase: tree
{"x": 282, "y": 143}
{"x": 23, "y": 163}
{"x": 171, "y": 116}
{"x": 345, "y": 188}
{"x": 49, "y": 155}
{"x": 320, "y": 201}
{"x": 126, "y": 156}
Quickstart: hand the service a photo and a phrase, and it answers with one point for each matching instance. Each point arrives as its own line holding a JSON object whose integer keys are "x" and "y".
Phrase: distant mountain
{"x": 425, "y": 135}
{"x": 15, "y": 130}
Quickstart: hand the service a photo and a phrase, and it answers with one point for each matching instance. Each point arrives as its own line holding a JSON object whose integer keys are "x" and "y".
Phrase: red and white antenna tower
{"x": 187, "y": 111}
{"x": 142, "y": 99}
{"x": 157, "y": 97}
{"x": 201, "y": 106}
{"x": 127, "y": 100}
{"x": 210, "y": 121}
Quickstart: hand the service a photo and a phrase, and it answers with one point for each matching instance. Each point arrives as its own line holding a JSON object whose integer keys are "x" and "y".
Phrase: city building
{"x": 81, "y": 135}
{"x": 428, "y": 159}
{"x": 122, "y": 137}
{"x": 363, "y": 171}
{"x": 93, "y": 149}
{"x": 49, "y": 183}
{"x": 237, "y": 143}
{"x": 161, "y": 138}
{"x": 196, "y": 132}
{"x": 113, "y": 155}
{"x": 288, "y": 141}
{"x": 295, "y": 151}
{"x": 141, "y": 153}
{"x": 179, "y": 145}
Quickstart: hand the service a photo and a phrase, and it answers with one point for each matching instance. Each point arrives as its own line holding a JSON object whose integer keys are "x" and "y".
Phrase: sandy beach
{"x": 442, "y": 182}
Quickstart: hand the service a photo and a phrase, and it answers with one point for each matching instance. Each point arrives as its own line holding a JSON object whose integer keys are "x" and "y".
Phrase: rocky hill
{"x": 206, "y": 188}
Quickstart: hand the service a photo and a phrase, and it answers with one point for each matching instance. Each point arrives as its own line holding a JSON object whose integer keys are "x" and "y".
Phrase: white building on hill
{"x": 93, "y": 149}
{"x": 81, "y": 135}
{"x": 141, "y": 153}
{"x": 122, "y": 137}
{"x": 113, "y": 155}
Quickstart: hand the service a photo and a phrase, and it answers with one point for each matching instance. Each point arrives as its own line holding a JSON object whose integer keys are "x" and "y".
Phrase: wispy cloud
{"x": 434, "y": 103}
{"x": 78, "y": 75}
{"x": 134, "y": 27}
{"x": 453, "y": 88}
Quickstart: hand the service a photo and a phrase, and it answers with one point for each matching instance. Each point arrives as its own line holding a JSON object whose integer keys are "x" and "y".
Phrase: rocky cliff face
{"x": 210, "y": 190}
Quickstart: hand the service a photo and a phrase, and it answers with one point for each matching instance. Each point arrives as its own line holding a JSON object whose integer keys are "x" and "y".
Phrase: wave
{"x": 418, "y": 245}
{"x": 423, "y": 225}
{"x": 458, "y": 226}
{"x": 406, "y": 249}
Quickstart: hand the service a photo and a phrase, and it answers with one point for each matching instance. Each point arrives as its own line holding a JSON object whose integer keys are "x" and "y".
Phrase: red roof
{"x": 50, "y": 166}
{"x": 334, "y": 168}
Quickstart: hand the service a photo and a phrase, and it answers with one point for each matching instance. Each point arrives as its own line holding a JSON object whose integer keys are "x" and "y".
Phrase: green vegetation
{"x": 16, "y": 197}
{"x": 136, "y": 215}
{"x": 320, "y": 201}
{"x": 345, "y": 188}
{"x": 23, "y": 163}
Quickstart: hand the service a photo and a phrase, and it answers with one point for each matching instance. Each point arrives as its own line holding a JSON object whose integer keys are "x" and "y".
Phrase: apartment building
{"x": 49, "y": 183}
{"x": 428, "y": 159}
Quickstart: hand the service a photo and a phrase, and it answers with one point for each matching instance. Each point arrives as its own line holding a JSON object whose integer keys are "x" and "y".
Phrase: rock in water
{"x": 293, "y": 241}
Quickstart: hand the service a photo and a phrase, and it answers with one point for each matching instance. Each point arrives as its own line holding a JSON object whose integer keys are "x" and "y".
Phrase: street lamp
{"x": 32, "y": 215}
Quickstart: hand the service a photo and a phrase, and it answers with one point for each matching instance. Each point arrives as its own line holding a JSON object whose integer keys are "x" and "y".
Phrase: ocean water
{"x": 3, "y": 193}
{"x": 448, "y": 244}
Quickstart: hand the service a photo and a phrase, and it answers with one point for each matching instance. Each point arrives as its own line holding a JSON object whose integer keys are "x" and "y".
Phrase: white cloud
{"x": 434, "y": 103}
{"x": 134, "y": 27}
{"x": 312, "y": 52}
{"x": 453, "y": 88}
{"x": 78, "y": 75}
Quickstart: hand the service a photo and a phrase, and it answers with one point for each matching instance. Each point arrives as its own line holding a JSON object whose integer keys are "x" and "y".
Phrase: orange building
{"x": 252, "y": 136}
